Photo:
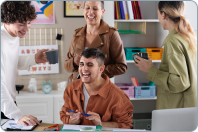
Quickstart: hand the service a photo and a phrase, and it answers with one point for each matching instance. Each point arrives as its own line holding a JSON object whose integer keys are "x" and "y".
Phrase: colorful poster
{"x": 45, "y": 12}
{"x": 43, "y": 68}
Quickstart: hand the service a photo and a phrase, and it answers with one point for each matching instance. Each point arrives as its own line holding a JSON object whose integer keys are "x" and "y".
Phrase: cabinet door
{"x": 58, "y": 103}
{"x": 40, "y": 107}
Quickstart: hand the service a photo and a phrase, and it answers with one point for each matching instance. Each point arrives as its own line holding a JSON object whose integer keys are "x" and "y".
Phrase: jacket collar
{"x": 104, "y": 90}
{"x": 97, "y": 42}
{"x": 169, "y": 35}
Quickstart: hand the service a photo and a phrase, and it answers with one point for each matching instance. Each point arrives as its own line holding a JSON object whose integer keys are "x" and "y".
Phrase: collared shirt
{"x": 110, "y": 102}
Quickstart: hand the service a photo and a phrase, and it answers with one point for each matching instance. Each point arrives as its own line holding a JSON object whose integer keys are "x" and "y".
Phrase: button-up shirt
{"x": 110, "y": 102}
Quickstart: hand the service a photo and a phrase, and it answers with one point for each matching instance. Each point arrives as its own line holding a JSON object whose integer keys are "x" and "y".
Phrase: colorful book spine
{"x": 125, "y": 10}
{"x": 121, "y": 10}
{"x": 119, "y": 13}
{"x": 134, "y": 12}
{"x": 130, "y": 10}
{"x": 140, "y": 12}
{"x": 115, "y": 10}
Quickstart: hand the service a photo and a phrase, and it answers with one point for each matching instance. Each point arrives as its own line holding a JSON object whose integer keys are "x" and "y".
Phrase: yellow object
{"x": 49, "y": 10}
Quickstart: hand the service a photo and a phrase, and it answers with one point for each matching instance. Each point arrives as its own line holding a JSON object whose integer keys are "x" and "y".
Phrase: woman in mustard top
{"x": 176, "y": 77}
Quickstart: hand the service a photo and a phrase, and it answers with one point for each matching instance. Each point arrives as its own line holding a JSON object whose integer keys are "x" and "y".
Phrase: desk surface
{"x": 44, "y": 125}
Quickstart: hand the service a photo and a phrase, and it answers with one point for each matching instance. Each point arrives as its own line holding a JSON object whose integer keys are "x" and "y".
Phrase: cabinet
{"x": 153, "y": 38}
{"x": 45, "y": 107}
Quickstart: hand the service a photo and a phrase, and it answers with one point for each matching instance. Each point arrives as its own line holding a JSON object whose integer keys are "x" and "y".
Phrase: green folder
{"x": 129, "y": 31}
{"x": 97, "y": 127}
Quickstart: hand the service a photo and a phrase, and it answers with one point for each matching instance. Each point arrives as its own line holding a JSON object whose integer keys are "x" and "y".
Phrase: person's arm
{"x": 25, "y": 62}
{"x": 121, "y": 115}
{"x": 65, "y": 116}
{"x": 95, "y": 117}
{"x": 8, "y": 107}
{"x": 118, "y": 58}
{"x": 174, "y": 77}
{"x": 69, "y": 64}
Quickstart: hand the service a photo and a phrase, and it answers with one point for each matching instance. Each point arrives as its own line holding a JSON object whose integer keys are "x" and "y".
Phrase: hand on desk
{"x": 28, "y": 120}
{"x": 95, "y": 117}
{"x": 74, "y": 117}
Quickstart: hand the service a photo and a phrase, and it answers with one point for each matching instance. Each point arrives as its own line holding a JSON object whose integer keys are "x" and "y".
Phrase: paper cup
{"x": 52, "y": 56}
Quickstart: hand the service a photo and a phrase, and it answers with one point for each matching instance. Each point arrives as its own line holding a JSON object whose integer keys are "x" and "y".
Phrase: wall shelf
{"x": 143, "y": 98}
{"x": 154, "y": 61}
{"x": 138, "y": 20}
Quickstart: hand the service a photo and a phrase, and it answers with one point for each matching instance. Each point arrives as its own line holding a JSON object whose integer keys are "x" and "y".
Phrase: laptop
{"x": 180, "y": 119}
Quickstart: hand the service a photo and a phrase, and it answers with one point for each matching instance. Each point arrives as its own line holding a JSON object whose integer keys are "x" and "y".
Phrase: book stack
{"x": 127, "y": 10}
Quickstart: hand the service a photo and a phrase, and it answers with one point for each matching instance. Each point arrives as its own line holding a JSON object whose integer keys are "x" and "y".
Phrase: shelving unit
{"x": 138, "y": 20}
{"x": 154, "y": 61}
{"x": 153, "y": 37}
{"x": 143, "y": 98}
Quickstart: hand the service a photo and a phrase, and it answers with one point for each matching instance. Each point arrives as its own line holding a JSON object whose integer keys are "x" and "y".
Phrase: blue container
{"x": 145, "y": 92}
{"x": 129, "y": 51}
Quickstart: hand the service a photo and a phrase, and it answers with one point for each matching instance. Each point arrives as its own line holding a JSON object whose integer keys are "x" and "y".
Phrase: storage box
{"x": 129, "y": 51}
{"x": 145, "y": 92}
{"x": 142, "y": 124}
{"x": 129, "y": 90}
{"x": 155, "y": 53}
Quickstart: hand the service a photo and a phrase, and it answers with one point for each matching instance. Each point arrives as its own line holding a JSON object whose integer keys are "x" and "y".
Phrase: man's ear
{"x": 102, "y": 67}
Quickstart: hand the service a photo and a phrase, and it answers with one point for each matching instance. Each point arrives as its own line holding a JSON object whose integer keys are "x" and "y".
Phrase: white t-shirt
{"x": 86, "y": 95}
{"x": 10, "y": 61}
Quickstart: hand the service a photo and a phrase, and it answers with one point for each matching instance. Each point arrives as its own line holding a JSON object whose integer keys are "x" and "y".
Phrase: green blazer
{"x": 177, "y": 76}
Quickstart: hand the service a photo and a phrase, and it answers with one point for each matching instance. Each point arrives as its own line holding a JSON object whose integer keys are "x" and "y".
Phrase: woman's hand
{"x": 77, "y": 60}
{"x": 144, "y": 65}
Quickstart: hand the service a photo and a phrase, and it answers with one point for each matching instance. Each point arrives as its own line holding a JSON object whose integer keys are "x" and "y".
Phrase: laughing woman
{"x": 177, "y": 76}
{"x": 96, "y": 34}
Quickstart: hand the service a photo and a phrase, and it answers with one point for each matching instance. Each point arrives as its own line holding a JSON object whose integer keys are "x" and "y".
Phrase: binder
{"x": 11, "y": 125}
{"x": 125, "y": 10}
{"x": 130, "y": 10}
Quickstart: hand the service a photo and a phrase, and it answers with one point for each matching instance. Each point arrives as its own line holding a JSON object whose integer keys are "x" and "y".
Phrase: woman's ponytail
{"x": 186, "y": 31}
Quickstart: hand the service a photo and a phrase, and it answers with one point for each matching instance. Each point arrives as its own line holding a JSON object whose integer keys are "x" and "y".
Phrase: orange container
{"x": 155, "y": 53}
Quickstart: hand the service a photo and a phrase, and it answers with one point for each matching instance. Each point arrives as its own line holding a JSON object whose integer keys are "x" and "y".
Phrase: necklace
{"x": 90, "y": 33}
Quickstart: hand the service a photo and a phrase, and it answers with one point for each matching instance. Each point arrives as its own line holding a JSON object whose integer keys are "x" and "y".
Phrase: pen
{"x": 80, "y": 113}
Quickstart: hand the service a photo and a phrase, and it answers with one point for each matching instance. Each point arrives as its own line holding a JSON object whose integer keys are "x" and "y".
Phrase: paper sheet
{"x": 12, "y": 124}
{"x": 75, "y": 127}
{"x": 129, "y": 130}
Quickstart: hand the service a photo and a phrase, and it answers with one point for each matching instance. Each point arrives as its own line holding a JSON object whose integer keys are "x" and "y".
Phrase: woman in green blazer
{"x": 176, "y": 77}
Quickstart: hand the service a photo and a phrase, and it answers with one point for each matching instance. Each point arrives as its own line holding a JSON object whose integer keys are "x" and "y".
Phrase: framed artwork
{"x": 73, "y": 8}
{"x": 45, "y": 12}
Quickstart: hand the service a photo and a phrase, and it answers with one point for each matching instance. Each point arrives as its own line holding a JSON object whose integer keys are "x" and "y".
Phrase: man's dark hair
{"x": 11, "y": 11}
{"x": 95, "y": 53}
{"x": 102, "y": 4}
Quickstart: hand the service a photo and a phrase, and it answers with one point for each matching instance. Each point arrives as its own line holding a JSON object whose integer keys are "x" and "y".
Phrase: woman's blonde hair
{"x": 175, "y": 11}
